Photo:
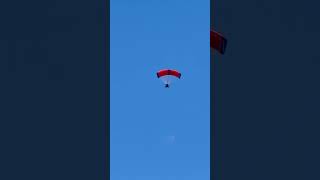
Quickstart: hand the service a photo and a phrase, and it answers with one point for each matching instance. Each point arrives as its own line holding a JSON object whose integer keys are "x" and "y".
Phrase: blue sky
{"x": 159, "y": 133}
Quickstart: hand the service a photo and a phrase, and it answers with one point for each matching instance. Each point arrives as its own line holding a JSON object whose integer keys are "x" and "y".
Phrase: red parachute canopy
{"x": 168, "y": 75}
{"x": 166, "y": 72}
{"x": 218, "y": 42}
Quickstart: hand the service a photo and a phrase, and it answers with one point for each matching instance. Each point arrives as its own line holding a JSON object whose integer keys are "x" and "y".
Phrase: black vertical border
{"x": 54, "y": 94}
{"x": 212, "y": 136}
{"x": 270, "y": 132}
{"x": 107, "y": 100}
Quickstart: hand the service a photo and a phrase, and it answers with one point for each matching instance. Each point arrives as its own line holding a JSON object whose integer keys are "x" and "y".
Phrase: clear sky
{"x": 160, "y": 133}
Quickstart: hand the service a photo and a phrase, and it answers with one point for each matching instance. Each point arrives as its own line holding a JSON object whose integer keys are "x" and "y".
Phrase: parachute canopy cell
{"x": 168, "y": 76}
{"x": 218, "y": 42}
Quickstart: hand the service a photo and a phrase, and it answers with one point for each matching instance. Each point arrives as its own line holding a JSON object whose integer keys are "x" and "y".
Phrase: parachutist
{"x": 166, "y": 76}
